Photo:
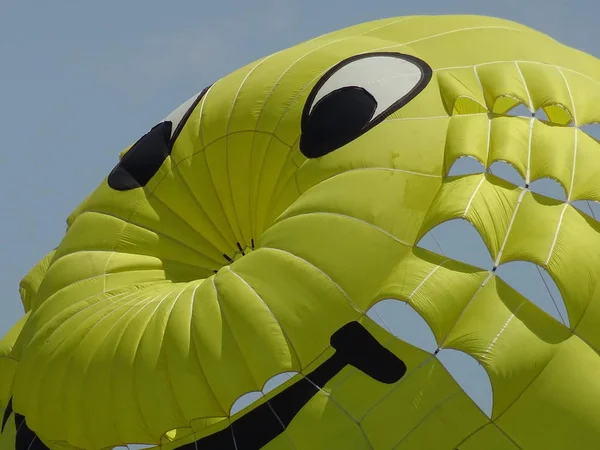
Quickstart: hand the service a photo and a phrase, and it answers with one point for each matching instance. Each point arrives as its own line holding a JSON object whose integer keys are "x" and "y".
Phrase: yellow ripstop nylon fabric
{"x": 133, "y": 338}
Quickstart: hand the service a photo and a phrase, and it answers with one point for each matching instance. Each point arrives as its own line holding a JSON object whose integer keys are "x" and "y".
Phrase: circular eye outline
{"x": 426, "y": 76}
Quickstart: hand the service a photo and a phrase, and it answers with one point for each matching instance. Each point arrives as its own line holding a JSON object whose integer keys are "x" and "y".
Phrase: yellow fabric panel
{"x": 496, "y": 41}
{"x": 8, "y": 436}
{"x": 585, "y": 92}
{"x": 587, "y": 171}
{"x": 85, "y": 345}
{"x": 461, "y": 91}
{"x": 422, "y": 277}
{"x": 217, "y": 157}
{"x": 534, "y": 228}
{"x": 431, "y": 396}
{"x": 449, "y": 420}
{"x": 552, "y": 153}
{"x": 468, "y": 135}
{"x": 486, "y": 201}
{"x": 547, "y": 90}
{"x": 345, "y": 194}
{"x": 275, "y": 166}
{"x": 286, "y": 191}
{"x": 562, "y": 397}
{"x": 384, "y": 151}
{"x": 294, "y": 310}
{"x": 170, "y": 231}
{"x": 574, "y": 260}
{"x": 323, "y": 425}
{"x": 322, "y": 242}
{"x": 120, "y": 320}
{"x": 59, "y": 445}
{"x": 509, "y": 141}
{"x": 412, "y": 29}
{"x": 189, "y": 208}
{"x": 8, "y": 364}
{"x": 105, "y": 200}
{"x": 110, "y": 270}
{"x": 497, "y": 319}
{"x": 489, "y": 437}
{"x": 196, "y": 173}
{"x": 503, "y": 86}
{"x": 587, "y": 328}
{"x": 218, "y": 351}
{"x": 429, "y": 386}
{"x": 254, "y": 326}
{"x": 30, "y": 284}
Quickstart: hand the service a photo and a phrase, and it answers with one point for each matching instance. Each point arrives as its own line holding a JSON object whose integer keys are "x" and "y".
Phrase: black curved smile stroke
{"x": 354, "y": 346}
{"x": 25, "y": 438}
{"x": 347, "y": 112}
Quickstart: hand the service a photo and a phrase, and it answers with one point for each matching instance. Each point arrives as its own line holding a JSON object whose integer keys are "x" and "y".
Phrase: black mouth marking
{"x": 7, "y": 413}
{"x": 354, "y": 346}
{"x": 25, "y": 438}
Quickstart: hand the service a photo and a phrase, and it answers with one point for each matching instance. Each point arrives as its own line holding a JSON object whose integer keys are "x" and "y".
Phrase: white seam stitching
{"x": 285, "y": 334}
{"x": 345, "y": 216}
{"x": 486, "y": 27}
{"x": 519, "y": 61}
{"x": 475, "y": 191}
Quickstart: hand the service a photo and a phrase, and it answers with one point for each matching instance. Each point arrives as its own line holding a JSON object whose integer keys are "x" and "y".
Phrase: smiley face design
{"x": 254, "y": 232}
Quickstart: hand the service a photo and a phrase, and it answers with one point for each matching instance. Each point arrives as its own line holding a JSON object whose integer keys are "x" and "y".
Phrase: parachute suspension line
{"x": 232, "y": 437}
{"x": 550, "y": 294}
{"x": 387, "y": 327}
{"x": 591, "y": 210}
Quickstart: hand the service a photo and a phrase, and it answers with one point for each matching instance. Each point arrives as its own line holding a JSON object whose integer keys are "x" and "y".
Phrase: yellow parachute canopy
{"x": 239, "y": 248}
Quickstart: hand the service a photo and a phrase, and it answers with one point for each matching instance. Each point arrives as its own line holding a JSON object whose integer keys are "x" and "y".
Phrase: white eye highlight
{"x": 181, "y": 114}
{"x": 389, "y": 78}
{"x": 356, "y": 95}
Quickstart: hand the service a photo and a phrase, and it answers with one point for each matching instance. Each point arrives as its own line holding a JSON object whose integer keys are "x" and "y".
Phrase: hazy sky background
{"x": 82, "y": 80}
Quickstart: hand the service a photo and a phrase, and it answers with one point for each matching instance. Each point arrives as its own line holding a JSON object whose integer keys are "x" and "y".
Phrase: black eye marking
{"x": 143, "y": 160}
{"x": 337, "y": 119}
{"x": 145, "y": 157}
{"x": 356, "y": 95}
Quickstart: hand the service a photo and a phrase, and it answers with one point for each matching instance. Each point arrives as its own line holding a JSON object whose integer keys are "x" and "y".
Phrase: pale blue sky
{"x": 82, "y": 80}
